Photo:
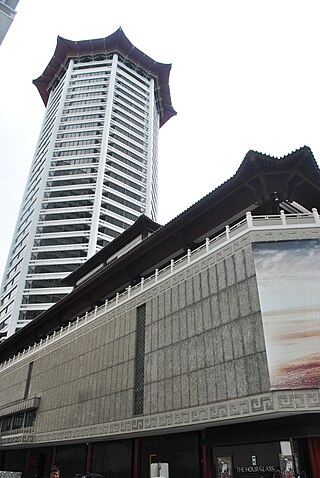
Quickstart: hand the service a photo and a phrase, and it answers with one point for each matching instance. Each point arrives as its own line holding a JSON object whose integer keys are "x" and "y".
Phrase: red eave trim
{"x": 117, "y": 41}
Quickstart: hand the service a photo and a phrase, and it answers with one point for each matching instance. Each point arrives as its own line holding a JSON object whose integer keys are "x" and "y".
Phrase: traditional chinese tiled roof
{"x": 117, "y": 42}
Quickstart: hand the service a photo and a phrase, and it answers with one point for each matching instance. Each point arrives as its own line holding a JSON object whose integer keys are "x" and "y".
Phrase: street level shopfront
{"x": 222, "y": 452}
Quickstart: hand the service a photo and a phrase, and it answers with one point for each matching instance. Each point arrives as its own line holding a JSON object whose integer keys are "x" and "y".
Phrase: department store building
{"x": 195, "y": 343}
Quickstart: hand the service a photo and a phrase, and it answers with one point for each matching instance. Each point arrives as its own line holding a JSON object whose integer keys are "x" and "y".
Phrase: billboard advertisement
{"x": 288, "y": 277}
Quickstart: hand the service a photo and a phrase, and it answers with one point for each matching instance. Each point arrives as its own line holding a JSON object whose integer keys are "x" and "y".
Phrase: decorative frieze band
{"x": 273, "y": 403}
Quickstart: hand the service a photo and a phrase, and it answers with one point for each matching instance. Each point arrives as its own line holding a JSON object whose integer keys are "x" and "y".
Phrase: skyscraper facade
{"x": 7, "y": 14}
{"x": 94, "y": 170}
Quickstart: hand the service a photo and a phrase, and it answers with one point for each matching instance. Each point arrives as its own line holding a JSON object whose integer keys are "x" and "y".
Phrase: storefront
{"x": 255, "y": 449}
{"x": 254, "y": 460}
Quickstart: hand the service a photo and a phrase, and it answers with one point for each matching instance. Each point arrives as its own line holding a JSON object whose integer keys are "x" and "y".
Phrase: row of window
{"x": 18, "y": 420}
{"x": 85, "y": 80}
{"x": 125, "y": 82}
{"x": 71, "y": 172}
{"x": 70, "y": 104}
{"x": 68, "y": 204}
{"x": 75, "y": 91}
{"x": 61, "y": 216}
{"x": 28, "y": 315}
{"x": 122, "y": 179}
{"x": 108, "y": 232}
{"x": 119, "y": 102}
{"x": 61, "y": 241}
{"x": 58, "y": 192}
{"x": 52, "y": 268}
{"x": 117, "y": 210}
{"x": 42, "y": 299}
{"x": 123, "y": 78}
{"x": 116, "y": 120}
{"x": 128, "y": 143}
{"x": 126, "y": 151}
{"x": 77, "y": 134}
{"x": 76, "y": 152}
{"x": 79, "y": 142}
{"x": 42, "y": 284}
{"x": 120, "y": 200}
{"x": 120, "y": 112}
{"x": 92, "y": 73}
{"x": 74, "y": 161}
{"x": 60, "y": 228}
{"x": 126, "y": 171}
{"x": 134, "y": 137}
{"x": 71, "y": 183}
{"x": 134, "y": 71}
{"x": 124, "y": 191}
{"x": 122, "y": 159}
{"x": 81, "y": 117}
{"x": 124, "y": 93}
{"x": 83, "y": 109}
{"x": 92, "y": 124}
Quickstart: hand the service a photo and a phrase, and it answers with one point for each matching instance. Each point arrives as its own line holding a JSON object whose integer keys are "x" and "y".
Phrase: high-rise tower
{"x": 7, "y": 14}
{"x": 94, "y": 170}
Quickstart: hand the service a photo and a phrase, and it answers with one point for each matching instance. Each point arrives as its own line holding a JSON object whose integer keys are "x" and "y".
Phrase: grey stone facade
{"x": 205, "y": 357}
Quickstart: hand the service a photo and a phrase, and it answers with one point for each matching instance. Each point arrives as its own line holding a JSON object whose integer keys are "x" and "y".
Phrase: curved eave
{"x": 117, "y": 41}
{"x": 302, "y": 159}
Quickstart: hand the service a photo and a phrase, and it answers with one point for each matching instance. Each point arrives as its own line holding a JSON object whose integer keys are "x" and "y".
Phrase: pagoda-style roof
{"x": 117, "y": 42}
{"x": 259, "y": 185}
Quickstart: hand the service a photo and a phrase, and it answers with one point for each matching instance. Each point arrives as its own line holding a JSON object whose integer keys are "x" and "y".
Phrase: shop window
{"x": 224, "y": 466}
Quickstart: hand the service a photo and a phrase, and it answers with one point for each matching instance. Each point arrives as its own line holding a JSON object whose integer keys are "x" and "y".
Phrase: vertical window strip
{"x": 28, "y": 381}
{"x": 139, "y": 361}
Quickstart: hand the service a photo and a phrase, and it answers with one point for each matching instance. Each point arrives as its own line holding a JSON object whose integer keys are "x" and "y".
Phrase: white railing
{"x": 270, "y": 222}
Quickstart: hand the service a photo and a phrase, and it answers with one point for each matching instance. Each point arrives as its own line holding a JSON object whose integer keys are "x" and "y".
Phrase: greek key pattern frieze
{"x": 262, "y": 404}
{"x": 271, "y": 403}
{"x": 284, "y": 234}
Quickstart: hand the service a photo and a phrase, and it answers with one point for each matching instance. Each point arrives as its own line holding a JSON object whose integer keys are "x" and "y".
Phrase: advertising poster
{"x": 288, "y": 277}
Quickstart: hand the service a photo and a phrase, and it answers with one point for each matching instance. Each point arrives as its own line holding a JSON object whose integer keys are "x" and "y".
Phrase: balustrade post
{"x": 207, "y": 244}
{"x": 106, "y": 305}
{"x": 227, "y": 233}
{"x": 249, "y": 219}
{"x": 189, "y": 255}
{"x": 156, "y": 272}
{"x": 171, "y": 265}
{"x": 142, "y": 283}
{"x": 95, "y": 311}
{"x": 316, "y": 215}
{"x": 129, "y": 291}
{"x": 283, "y": 218}
{"x": 117, "y": 298}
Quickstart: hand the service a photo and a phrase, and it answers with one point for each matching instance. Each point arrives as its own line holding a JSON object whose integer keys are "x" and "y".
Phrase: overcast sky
{"x": 245, "y": 75}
